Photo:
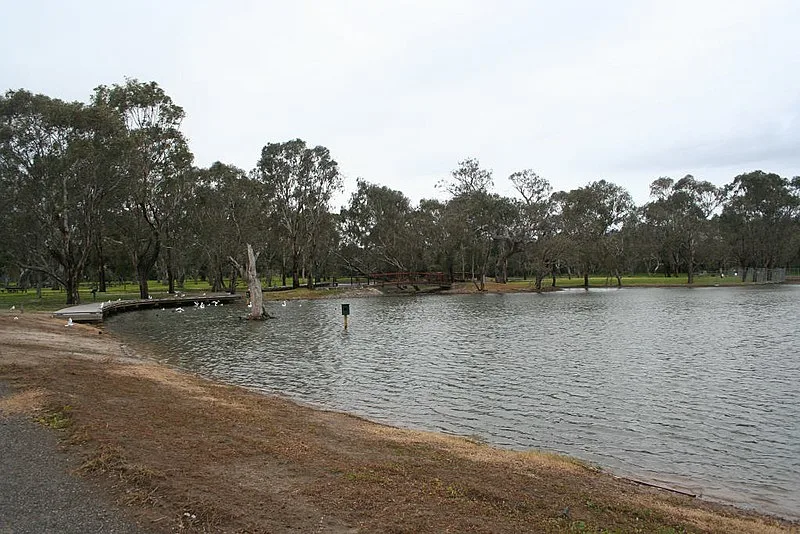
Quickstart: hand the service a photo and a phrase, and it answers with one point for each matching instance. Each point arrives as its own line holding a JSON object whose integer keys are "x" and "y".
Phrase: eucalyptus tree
{"x": 299, "y": 181}
{"x": 51, "y": 158}
{"x": 540, "y": 219}
{"x": 535, "y": 228}
{"x": 154, "y": 167}
{"x": 376, "y": 229}
{"x": 588, "y": 214}
{"x": 215, "y": 231}
{"x": 472, "y": 216}
{"x": 760, "y": 219}
{"x": 430, "y": 239}
{"x": 682, "y": 210}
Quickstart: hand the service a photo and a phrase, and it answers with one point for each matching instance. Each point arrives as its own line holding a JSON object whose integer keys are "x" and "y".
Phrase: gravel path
{"x": 37, "y": 492}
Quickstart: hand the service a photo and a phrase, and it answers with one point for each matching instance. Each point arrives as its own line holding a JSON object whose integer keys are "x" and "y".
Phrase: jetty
{"x": 96, "y": 312}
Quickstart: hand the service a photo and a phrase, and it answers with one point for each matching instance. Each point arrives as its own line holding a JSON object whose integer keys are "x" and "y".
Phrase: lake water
{"x": 697, "y": 389}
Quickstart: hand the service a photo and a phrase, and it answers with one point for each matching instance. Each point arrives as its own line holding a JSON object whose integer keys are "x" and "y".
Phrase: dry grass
{"x": 191, "y": 455}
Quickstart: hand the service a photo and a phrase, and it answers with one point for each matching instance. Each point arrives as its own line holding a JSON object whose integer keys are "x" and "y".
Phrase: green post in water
{"x": 345, "y": 313}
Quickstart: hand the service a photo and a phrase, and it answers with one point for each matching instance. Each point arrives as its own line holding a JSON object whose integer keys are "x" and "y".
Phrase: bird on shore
{"x": 179, "y": 310}
{"x": 69, "y": 322}
{"x": 16, "y": 318}
{"x": 283, "y": 303}
{"x": 202, "y": 305}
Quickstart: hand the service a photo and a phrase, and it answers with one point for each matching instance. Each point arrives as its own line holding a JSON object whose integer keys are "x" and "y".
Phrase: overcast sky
{"x": 401, "y": 91}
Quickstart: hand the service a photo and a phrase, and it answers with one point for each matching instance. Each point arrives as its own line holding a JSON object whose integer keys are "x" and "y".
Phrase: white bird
{"x": 284, "y": 303}
{"x": 196, "y": 304}
{"x": 16, "y": 318}
{"x": 249, "y": 304}
{"x": 149, "y": 297}
{"x": 13, "y": 308}
{"x": 202, "y": 306}
{"x": 179, "y": 310}
{"x": 69, "y": 322}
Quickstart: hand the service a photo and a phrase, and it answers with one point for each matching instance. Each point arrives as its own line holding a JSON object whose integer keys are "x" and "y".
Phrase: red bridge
{"x": 411, "y": 278}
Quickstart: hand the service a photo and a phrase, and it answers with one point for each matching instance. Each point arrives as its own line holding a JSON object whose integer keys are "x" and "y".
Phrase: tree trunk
{"x": 142, "y": 272}
{"x": 501, "y": 269}
{"x": 101, "y": 276}
{"x": 254, "y": 285}
{"x": 539, "y": 278}
{"x": 585, "y": 280}
{"x": 234, "y": 281}
{"x": 295, "y": 271}
{"x": 170, "y": 273}
{"x": 71, "y": 287}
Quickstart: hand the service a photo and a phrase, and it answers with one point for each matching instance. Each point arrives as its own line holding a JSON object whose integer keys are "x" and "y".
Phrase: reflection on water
{"x": 695, "y": 388}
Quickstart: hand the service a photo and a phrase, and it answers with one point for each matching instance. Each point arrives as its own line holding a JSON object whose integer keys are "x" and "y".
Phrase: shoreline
{"x": 163, "y": 441}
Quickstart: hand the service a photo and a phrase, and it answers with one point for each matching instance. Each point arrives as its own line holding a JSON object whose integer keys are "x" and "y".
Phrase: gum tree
{"x": 153, "y": 169}
{"x": 53, "y": 156}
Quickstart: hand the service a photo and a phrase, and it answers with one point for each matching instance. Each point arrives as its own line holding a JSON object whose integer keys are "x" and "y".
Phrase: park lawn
{"x": 640, "y": 280}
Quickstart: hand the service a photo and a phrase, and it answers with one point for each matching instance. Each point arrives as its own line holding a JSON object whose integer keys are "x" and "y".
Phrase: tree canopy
{"x": 108, "y": 189}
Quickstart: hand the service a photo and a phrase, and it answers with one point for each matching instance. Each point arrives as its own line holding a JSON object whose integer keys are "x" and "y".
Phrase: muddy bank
{"x": 185, "y": 453}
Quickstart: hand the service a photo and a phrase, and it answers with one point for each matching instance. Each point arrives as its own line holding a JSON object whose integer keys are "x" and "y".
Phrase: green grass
{"x": 635, "y": 280}
{"x": 57, "y": 419}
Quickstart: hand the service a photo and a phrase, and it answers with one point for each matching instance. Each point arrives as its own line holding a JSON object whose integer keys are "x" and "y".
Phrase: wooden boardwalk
{"x": 95, "y": 312}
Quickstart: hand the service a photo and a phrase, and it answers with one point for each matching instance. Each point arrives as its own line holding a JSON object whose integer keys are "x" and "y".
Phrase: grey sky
{"x": 401, "y": 91}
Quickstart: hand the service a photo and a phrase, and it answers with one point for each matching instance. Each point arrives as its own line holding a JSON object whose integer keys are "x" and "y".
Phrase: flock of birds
{"x": 200, "y": 305}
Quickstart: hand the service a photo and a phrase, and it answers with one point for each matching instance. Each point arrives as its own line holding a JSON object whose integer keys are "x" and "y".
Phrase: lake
{"x": 697, "y": 389}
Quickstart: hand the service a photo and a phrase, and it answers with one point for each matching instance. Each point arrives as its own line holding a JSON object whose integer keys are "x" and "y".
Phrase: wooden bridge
{"x": 95, "y": 312}
{"x": 411, "y": 279}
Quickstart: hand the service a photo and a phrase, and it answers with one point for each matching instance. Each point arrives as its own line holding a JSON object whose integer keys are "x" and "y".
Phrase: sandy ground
{"x": 185, "y": 454}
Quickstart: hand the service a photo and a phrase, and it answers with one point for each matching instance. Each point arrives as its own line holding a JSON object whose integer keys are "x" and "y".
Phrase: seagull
{"x": 69, "y": 322}
{"x": 13, "y": 308}
{"x": 202, "y": 306}
{"x": 16, "y": 318}
{"x": 284, "y": 303}
{"x": 249, "y": 304}
{"x": 179, "y": 310}
{"x": 149, "y": 297}
{"x": 196, "y": 304}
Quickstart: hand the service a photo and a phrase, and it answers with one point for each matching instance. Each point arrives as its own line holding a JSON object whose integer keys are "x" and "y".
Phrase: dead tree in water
{"x": 250, "y": 274}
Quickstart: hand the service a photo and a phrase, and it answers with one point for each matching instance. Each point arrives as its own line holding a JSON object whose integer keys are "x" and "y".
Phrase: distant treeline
{"x": 91, "y": 191}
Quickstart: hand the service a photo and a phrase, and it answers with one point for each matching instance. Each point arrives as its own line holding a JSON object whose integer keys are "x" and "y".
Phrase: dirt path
{"x": 37, "y": 491}
{"x": 183, "y": 453}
